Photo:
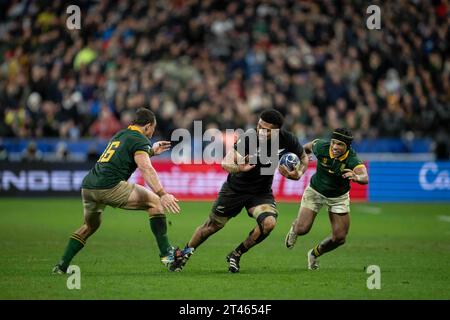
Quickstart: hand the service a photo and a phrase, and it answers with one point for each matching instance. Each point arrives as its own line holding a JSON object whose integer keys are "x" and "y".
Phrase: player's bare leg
{"x": 77, "y": 241}
{"x": 301, "y": 226}
{"x": 204, "y": 231}
{"x": 91, "y": 224}
{"x": 213, "y": 224}
{"x": 143, "y": 199}
{"x": 340, "y": 224}
{"x": 260, "y": 232}
{"x": 266, "y": 218}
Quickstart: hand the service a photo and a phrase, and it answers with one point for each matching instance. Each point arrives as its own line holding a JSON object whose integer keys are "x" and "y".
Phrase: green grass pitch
{"x": 409, "y": 242}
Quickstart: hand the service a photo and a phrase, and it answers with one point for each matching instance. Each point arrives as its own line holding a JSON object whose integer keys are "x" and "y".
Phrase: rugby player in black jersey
{"x": 251, "y": 167}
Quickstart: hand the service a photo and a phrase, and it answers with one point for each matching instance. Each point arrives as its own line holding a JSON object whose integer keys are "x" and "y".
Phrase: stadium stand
{"x": 222, "y": 62}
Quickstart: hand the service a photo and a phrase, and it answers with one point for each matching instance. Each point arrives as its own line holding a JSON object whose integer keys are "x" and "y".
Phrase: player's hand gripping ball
{"x": 290, "y": 160}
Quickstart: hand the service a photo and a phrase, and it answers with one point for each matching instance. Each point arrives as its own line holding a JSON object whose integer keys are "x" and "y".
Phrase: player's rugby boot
{"x": 313, "y": 264}
{"x": 291, "y": 238}
{"x": 169, "y": 258}
{"x": 233, "y": 262}
{"x": 59, "y": 269}
{"x": 180, "y": 258}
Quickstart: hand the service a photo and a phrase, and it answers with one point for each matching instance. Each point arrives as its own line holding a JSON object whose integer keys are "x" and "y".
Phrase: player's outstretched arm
{"x": 358, "y": 174}
{"x": 308, "y": 147}
{"x": 234, "y": 162}
{"x": 304, "y": 160}
{"x": 168, "y": 201}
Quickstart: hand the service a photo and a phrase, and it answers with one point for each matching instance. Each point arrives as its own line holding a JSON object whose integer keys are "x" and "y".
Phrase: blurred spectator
{"x": 442, "y": 147}
{"x": 106, "y": 125}
{"x": 31, "y": 153}
{"x": 62, "y": 153}
{"x": 3, "y": 152}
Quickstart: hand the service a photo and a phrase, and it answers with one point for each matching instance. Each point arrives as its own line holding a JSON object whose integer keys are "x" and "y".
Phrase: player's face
{"x": 149, "y": 130}
{"x": 338, "y": 148}
{"x": 266, "y": 130}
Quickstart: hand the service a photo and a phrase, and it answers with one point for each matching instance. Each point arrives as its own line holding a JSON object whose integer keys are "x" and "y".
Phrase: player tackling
{"x": 106, "y": 184}
{"x": 337, "y": 165}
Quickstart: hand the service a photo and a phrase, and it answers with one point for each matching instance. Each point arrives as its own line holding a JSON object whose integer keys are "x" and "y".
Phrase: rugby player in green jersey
{"x": 337, "y": 165}
{"x": 106, "y": 185}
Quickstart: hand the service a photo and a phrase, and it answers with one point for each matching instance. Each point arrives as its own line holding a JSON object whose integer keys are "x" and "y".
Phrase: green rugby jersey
{"x": 328, "y": 178}
{"x": 117, "y": 161}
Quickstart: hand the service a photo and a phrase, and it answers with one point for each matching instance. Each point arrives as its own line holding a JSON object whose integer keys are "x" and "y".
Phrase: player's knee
{"x": 158, "y": 209}
{"x": 269, "y": 224}
{"x": 213, "y": 226}
{"x": 215, "y": 223}
{"x": 154, "y": 207}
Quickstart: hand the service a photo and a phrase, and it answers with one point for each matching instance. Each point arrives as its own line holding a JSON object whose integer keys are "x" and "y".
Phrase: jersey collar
{"x": 135, "y": 128}
{"x": 341, "y": 158}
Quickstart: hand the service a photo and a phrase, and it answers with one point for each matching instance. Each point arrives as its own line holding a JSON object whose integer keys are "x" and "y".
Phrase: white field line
{"x": 444, "y": 218}
{"x": 370, "y": 210}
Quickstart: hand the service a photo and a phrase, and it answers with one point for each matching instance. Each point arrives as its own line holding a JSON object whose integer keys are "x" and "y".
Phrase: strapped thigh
{"x": 218, "y": 220}
{"x": 263, "y": 208}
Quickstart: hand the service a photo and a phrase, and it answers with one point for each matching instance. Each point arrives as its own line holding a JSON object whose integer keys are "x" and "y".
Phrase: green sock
{"x": 76, "y": 243}
{"x": 158, "y": 225}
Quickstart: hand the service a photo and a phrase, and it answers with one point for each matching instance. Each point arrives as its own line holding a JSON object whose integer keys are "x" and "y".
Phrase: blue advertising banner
{"x": 409, "y": 181}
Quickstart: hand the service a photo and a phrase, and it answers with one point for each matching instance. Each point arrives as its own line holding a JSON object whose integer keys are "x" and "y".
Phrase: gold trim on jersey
{"x": 140, "y": 151}
{"x": 341, "y": 158}
{"x": 359, "y": 165}
{"x": 135, "y": 128}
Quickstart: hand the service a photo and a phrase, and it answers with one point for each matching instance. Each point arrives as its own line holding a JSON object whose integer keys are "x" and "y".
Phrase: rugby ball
{"x": 290, "y": 160}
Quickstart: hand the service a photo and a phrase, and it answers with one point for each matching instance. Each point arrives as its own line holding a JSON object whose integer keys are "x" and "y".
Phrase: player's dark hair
{"x": 272, "y": 116}
{"x": 343, "y": 134}
{"x": 143, "y": 117}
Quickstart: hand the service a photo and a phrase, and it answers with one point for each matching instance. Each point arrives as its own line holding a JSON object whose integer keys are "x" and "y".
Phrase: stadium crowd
{"x": 222, "y": 62}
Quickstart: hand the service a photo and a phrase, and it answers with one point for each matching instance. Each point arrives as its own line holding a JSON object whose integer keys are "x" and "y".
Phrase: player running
{"x": 249, "y": 185}
{"x": 337, "y": 164}
{"x": 106, "y": 184}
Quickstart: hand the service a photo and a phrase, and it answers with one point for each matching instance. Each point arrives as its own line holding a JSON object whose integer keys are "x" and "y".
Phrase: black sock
{"x": 316, "y": 253}
{"x": 325, "y": 246}
{"x": 240, "y": 249}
